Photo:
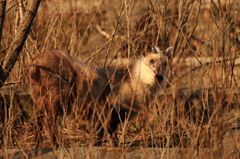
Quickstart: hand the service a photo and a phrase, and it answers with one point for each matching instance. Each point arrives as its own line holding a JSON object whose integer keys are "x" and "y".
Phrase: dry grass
{"x": 98, "y": 32}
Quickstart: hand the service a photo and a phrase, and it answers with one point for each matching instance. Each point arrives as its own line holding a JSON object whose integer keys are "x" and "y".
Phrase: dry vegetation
{"x": 196, "y": 110}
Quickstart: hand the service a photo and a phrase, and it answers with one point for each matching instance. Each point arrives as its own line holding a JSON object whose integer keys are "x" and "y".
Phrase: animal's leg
{"x": 116, "y": 119}
{"x": 100, "y": 135}
{"x": 38, "y": 126}
{"x": 102, "y": 128}
{"x": 46, "y": 116}
{"x": 51, "y": 120}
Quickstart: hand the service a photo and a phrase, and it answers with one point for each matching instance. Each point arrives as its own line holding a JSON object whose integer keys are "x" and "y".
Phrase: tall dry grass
{"x": 196, "y": 110}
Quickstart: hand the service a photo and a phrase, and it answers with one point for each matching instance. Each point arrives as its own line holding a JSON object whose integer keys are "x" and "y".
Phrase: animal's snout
{"x": 159, "y": 78}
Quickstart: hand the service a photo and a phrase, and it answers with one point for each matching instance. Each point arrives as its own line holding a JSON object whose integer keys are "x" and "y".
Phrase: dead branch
{"x": 18, "y": 42}
{"x": 2, "y": 15}
{"x": 182, "y": 22}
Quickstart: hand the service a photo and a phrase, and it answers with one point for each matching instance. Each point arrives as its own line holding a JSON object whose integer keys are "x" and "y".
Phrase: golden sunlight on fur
{"x": 60, "y": 84}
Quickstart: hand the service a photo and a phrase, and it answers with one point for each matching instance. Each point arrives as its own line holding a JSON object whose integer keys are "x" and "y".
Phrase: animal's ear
{"x": 169, "y": 51}
{"x": 155, "y": 49}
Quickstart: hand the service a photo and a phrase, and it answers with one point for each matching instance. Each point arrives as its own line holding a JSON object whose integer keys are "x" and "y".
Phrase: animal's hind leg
{"x": 38, "y": 126}
{"x": 52, "y": 128}
{"x": 53, "y": 110}
{"x": 46, "y": 115}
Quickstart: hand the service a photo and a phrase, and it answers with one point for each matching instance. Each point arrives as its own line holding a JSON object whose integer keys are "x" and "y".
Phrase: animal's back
{"x": 56, "y": 78}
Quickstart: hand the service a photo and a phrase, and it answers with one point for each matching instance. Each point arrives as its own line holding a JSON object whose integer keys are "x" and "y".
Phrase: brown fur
{"x": 61, "y": 84}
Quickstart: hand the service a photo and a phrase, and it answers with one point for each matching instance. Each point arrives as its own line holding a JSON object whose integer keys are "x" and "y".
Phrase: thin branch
{"x": 182, "y": 23}
{"x": 203, "y": 65}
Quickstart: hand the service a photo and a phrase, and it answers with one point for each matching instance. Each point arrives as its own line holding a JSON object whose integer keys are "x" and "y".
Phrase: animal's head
{"x": 154, "y": 67}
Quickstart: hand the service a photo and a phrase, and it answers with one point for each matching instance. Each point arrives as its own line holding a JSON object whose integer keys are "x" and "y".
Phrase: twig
{"x": 202, "y": 65}
{"x": 102, "y": 32}
{"x": 10, "y": 83}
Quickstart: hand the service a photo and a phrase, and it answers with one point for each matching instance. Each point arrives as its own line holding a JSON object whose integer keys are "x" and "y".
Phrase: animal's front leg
{"x": 105, "y": 126}
{"x": 116, "y": 119}
{"x": 97, "y": 130}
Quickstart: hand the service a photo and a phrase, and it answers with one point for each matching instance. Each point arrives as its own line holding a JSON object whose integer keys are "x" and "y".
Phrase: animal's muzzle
{"x": 159, "y": 78}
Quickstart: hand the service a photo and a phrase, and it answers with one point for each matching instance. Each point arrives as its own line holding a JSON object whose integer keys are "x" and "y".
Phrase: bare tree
{"x": 16, "y": 46}
{"x": 2, "y": 15}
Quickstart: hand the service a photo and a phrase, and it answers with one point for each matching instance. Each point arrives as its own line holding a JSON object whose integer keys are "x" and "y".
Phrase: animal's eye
{"x": 151, "y": 61}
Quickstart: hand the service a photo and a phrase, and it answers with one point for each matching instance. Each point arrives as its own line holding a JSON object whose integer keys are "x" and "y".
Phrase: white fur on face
{"x": 145, "y": 72}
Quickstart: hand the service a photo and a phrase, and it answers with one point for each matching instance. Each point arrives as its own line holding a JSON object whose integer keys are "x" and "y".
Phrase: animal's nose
{"x": 159, "y": 78}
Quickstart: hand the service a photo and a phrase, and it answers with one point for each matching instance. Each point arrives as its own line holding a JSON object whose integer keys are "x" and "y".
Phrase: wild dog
{"x": 61, "y": 84}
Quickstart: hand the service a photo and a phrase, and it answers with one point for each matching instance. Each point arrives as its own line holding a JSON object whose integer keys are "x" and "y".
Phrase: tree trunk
{"x": 2, "y": 15}
{"x": 18, "y": 42}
